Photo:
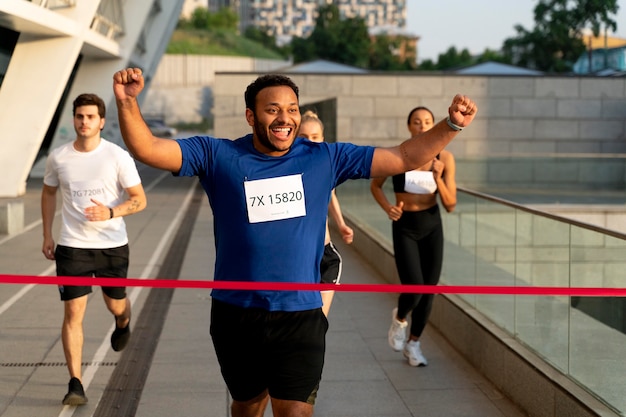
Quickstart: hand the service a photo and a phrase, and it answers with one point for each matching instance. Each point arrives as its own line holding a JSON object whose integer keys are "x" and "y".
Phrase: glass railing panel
{"x": 542, "y": 260}
{"x": 356, "y": 200}
{"x": 597, "y": 344}
{"x": 495, "y": 260}
{"x": 459, "y": 256}
{"x": 501, "y": 241}
{"x": 489, "y": 241}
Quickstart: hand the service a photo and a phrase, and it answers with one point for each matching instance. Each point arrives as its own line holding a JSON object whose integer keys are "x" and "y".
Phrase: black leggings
{"x": 418, "y": 247}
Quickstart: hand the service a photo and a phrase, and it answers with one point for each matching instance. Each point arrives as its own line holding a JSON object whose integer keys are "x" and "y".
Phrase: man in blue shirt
{"x": 269, "y": 192}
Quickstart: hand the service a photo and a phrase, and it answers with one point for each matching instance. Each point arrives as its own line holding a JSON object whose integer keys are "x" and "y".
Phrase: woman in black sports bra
{"x": 417, "y": 236}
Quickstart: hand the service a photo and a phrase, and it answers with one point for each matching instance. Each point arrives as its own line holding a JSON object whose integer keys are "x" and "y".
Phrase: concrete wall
{"x": 182, "y": 88}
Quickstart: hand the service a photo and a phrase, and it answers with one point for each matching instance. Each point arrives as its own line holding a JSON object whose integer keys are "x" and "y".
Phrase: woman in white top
{"x": 417, "y": 236}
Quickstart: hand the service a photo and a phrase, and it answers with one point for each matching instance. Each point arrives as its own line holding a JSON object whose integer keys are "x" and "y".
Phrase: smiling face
{"x": 87, "y": 122}
{"x": 275, "y": 120}
{"x": 420, "y": 121}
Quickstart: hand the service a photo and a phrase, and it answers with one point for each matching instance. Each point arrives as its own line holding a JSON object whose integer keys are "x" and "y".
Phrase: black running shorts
{"x": 103, "y": 263}
{"x": 278, "y": 351}
{"x": 330, "y": 267}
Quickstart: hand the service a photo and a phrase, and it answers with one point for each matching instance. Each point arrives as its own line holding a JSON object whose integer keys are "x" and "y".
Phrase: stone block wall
{"x": 518, "y": 115}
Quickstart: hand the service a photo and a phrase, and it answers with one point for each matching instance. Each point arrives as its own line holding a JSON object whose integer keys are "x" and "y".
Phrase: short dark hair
{"x": 89, "y": 99}
{"x": 264, "y": 81}
{"x": 408, "y": 120}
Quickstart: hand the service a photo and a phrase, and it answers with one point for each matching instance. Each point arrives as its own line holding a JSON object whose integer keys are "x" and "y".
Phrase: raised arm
{"x": 156, "y": 152}
{"x": 415, "y": 152}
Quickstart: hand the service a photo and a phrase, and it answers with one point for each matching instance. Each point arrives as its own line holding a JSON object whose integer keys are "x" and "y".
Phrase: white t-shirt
{"x": 101, "y": 174}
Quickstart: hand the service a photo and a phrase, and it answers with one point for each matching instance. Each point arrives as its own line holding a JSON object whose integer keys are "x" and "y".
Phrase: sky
{"x": 474, "y": 24}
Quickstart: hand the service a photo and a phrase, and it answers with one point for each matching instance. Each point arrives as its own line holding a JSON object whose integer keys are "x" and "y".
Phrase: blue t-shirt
{"x": 270, "y": 230}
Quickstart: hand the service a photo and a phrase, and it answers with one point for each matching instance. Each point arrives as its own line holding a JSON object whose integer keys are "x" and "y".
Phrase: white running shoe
{"x": 397, "y": 332}
{"x": 413, "y": 352}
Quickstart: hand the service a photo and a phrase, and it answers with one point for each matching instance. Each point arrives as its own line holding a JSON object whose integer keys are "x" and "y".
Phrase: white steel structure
{"x": 53, "y": 50}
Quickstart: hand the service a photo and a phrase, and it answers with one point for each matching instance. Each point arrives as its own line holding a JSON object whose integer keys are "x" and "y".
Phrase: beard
{"x": 262, "y": 135}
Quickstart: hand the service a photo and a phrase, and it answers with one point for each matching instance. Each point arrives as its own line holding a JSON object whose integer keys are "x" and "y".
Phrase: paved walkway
{"x": 362, "y": 377}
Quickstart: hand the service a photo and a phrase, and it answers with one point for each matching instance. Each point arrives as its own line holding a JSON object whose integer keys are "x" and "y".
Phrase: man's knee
{"x": 290, "y": 408}
{"x": 118, "y": 307}
{"x": 254, "y": 407}
{"x": 75, "y": 308}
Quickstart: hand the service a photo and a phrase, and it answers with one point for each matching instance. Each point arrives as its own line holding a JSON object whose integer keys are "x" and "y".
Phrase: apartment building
{"x": 287, "y": 18}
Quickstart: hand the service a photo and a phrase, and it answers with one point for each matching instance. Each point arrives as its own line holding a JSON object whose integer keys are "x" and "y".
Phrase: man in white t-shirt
{"x": 99, "y": 185}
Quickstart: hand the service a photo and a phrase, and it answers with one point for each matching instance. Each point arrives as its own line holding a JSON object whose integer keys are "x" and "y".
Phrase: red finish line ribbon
{"x": 285, "y": 286}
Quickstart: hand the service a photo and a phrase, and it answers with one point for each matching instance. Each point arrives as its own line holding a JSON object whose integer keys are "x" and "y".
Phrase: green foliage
{"x": 347, "y": 41}
{"x": 302, "y": 49}
{"x": 427, "y": 65}
{"x": 338, "y": 40}
{"x": 201, "y": 18}
{"x": 493, "y": 56}
{"x": 451, "y": 59}
{"x": 216, "y": 42}
{"x": 262, "y": 36}
{"x": 454, "y": 59}
{"x": 556, "y": 43}
{"x": 382, "y": 56}
{"x": 206, "y": 33}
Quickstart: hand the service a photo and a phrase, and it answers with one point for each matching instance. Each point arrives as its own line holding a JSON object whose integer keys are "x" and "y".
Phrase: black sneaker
{"x": 120, "y": 337}
{"x": 75, "y": 393}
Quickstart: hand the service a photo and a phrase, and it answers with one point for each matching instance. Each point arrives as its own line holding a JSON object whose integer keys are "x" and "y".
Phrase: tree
{"x": 302, "y": 50}
{"x": 384, "y": 53}
{"x": 427, "y": 65}
{"x": 202, "y": 18}
{"x": 492, "y": 56}
{"x": 224, "y": 18}
{"x": 345, "y": 41}
{"x": 556, "y": 42}
{"x": 454, "y": 59}
{"x": 262, "y": 35}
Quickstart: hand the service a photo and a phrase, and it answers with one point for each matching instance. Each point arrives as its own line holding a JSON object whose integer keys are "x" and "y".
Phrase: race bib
{"x": 419, "y": 182}
{"x": 83, "y": 191}
{"x": 275, "y": 198}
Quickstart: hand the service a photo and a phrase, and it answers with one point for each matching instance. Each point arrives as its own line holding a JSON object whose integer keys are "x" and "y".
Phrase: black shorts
{"x": 330, "y": 267}
{"x": 278, "y": 351}
{"x": 105, "y": 263}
